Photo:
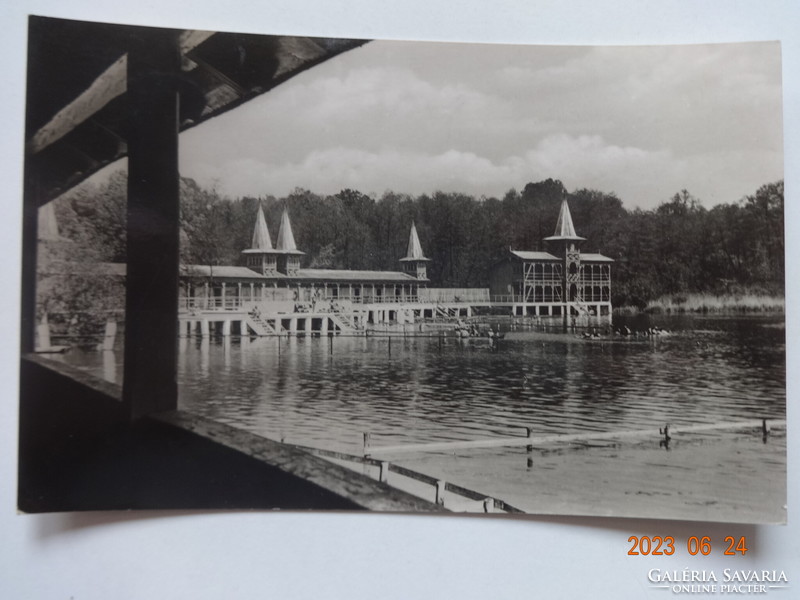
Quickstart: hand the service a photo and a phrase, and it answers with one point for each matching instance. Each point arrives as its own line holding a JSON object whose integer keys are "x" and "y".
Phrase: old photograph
{"x": 332, "y": 274}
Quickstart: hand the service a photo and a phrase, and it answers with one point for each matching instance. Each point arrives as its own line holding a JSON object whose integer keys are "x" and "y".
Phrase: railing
{"x": 388, "y": 299}
{"x": 539, "y": 281}
{"x": 201, "y": 303}
{"x": 506, "y": 298}
{"x": 486, "y": 502}
{"x": 466, "y": 295}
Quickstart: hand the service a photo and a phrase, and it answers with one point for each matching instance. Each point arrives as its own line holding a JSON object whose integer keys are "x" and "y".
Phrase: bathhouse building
{"x": 561, "y": 282}
{"x": 276, "y": 295}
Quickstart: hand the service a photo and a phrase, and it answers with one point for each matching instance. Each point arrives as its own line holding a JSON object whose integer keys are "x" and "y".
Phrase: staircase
{"x": 443, "y": 311}
{"x": 259, "y": 325}
{"x": 343, "y": 325}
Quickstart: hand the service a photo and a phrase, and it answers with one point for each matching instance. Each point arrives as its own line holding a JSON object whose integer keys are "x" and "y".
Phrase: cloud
{"x": 584, "y": 161}
{"x": 643, "y": 122}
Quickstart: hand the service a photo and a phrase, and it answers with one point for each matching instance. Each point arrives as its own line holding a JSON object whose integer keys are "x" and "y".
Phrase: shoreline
{"x": 702, "y": 303}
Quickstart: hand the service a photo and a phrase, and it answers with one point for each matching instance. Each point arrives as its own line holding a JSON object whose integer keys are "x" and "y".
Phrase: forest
{"x": 676, "y": 249}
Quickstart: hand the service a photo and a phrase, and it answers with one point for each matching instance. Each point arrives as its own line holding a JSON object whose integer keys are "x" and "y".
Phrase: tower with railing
{"x": 415, "y": 263}
{"x": 563, "y": 285}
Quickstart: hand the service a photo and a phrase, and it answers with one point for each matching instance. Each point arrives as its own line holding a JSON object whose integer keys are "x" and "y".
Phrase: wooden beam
{"x": 110, "y": 84}
{"x": 152, "y": 236}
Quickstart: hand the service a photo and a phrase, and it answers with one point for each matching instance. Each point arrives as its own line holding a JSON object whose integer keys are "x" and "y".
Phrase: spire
{"x": 261, "y": 239}
{"x": 414, "y": 247}
{"x": 285, "y": 235}
{"x": 565, "y": 230}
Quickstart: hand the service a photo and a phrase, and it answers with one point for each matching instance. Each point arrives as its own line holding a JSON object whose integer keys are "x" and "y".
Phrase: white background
{"x": 293, "y": 555}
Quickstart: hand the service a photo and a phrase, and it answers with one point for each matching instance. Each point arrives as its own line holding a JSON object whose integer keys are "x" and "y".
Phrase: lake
{"x": 315, "y": 392}
{"x": 327, "y": 392}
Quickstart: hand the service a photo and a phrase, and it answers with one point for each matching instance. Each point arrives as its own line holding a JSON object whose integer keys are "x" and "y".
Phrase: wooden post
{"x": 440, "y": 488}
{"x": 110, "y": 335}
{"x": 204, "y": 328}
{"x": 30, "y": 222}
{"x": 366, "y": 442}
{"x": 43, "y": 335}
{"x": 226, "y": 327}
{"x": 384, "y": 473}
{"x": 529, "y": 432}
{"x": 154, "y": 64}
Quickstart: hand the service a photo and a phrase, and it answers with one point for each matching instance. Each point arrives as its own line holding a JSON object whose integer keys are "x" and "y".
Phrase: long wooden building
{"x": 274, "y": 273}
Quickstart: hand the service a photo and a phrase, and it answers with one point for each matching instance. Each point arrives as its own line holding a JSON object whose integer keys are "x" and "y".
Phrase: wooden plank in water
{"x": 566, "y": 438}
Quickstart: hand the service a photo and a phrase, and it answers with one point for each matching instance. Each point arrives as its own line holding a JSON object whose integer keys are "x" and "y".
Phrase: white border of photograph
{"x": 313, "y": 555}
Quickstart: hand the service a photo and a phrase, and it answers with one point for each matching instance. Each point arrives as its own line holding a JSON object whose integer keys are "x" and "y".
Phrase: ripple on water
{"x": 421, "y": 393}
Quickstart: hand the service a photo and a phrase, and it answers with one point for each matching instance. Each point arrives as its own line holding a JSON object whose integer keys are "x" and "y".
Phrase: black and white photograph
{"x": 314, "y": 273}
{"x": 399, "y": 300}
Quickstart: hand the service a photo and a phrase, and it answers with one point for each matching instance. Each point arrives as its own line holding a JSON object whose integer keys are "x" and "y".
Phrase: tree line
{"x": 680, "y": 247}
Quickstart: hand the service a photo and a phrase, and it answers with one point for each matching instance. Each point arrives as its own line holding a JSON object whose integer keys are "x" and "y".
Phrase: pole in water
{"x": 366, "y": 442}
{"x": 330, "y": 336}
{"x": 529, "y": 432}
{"x": 390, "y": 345}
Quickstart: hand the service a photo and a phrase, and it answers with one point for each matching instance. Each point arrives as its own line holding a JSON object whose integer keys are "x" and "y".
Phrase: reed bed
{"x": 704, "y": 303}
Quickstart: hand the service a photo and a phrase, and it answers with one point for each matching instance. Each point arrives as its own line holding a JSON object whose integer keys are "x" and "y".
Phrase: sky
{"x": 642, "y": 122}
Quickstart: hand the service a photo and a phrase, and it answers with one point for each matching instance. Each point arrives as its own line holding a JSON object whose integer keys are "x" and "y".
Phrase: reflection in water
{"x": 327, "y": 392}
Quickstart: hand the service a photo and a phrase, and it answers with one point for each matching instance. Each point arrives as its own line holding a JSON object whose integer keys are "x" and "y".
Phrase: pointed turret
{"x": 414, "y": 251}
{"x": 286, "y": 249}
{"x": 285, "y": 236}
{"x": 565, "y": 230}
{"x": 261, "y": 256}
{"x": 414, "y": 261}
{"x": 566, "y": 245}
{"x": 261, "y": 239}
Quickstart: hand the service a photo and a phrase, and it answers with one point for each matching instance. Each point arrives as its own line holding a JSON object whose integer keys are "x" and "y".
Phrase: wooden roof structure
{"x": 78, "y": 100}
{"x": 99, "y": 92}
{"x": 536, "y": 256}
